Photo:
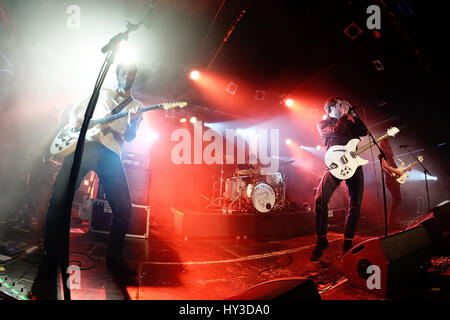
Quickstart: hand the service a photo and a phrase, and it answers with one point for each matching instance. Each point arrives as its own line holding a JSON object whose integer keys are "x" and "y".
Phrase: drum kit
{"x": 249, "y": 191}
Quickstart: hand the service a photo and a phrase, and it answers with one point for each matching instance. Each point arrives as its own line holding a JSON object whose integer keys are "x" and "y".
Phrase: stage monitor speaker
{"x": 281, "y": 289}
{"x": 400, "y": 259}
{"x": 436, "y": 223}
{"x": 442, "y": 214}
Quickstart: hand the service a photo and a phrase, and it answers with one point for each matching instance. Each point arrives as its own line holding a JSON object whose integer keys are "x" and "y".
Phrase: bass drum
{"x": 262, "y": 196}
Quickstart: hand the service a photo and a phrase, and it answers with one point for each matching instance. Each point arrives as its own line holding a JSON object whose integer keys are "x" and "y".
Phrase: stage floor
{"x": 173, "y": 267}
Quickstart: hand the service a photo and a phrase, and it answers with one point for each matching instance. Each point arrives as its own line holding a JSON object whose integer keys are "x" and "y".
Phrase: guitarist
{"x": 338, "y": 129}
{"x": 391, "y": 174}
{"x": 102, "y": 156}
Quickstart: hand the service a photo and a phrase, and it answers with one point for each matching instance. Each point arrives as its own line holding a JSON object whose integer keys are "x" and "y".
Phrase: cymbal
{"x": 248, "y": 172}
{"x": 284, "y": 160}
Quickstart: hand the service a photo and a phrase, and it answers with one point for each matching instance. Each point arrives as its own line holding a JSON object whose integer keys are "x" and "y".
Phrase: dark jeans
{"x": 109, "y": 169}
{"x": 328, "y": 184}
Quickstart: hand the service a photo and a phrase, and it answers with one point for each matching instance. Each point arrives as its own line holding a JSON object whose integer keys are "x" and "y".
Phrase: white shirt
{"x": 108, "y": 99}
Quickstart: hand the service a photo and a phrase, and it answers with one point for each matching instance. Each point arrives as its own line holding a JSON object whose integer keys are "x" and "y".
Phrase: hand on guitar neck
{"x": 399, "y": 174}
{"x": 75, "y": 123}
{"x": 393, "y": 172}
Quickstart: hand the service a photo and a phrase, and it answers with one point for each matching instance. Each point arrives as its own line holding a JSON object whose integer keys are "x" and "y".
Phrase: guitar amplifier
{"x": 136, "y": 167}
{"x": 101, "y": 218}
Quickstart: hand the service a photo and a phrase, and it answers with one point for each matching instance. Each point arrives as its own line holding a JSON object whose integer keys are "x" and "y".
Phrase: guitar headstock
{"x": 392, "y": 131}
{"x": 171, "y": 105}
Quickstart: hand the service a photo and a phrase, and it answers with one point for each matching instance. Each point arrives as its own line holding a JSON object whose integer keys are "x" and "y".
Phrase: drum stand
{"x": 281, "y": 204}
{"x": 213, "y": 200}
{"x": 238, "y": 198}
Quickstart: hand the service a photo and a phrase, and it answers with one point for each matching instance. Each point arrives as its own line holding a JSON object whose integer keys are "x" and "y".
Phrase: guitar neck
{"x": 369, "y": 145}
{"x": 411, "y": 165}
{"x": 121, "y": 115}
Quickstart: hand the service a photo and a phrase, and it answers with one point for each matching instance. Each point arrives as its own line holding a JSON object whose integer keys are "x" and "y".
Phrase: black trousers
{"x": 328, "y": 184}
{"x": 109, "y": 169}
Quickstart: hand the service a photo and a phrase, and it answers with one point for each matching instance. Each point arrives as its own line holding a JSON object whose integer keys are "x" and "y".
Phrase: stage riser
{"x": 198, "y": 224}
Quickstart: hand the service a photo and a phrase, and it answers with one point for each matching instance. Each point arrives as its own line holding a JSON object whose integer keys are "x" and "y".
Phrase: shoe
{"x": 120, "y": 268}
{"x": 347, "y": 246}
{"x": 322, "y": 244}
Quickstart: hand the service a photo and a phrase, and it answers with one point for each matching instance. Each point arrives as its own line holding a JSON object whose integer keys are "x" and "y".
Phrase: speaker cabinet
{"x": 138, "y": 181}
{"x": 400, "y": 259}
{"x": 136, "y": 168}
{"x": 281, "y": 289}
{"x": 102, "y": 216}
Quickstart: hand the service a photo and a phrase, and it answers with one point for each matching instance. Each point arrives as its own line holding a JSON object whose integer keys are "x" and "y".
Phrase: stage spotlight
{"x": 153, "y": 136}
{"x": 193, "y": 120}
{"x": 125, "y": 54}
{"x": 194, "y": 75}
{"x": 231, "y": 88}
{"x": 288, "y": 141}
{"x": 324, "y": 117}
{"x": 289, "y": 102}
{"x": 318, "y": 147}
{"x": 183, "y": 120}
{"x": 259, "y": 95}
{"x": 353, "y": 31}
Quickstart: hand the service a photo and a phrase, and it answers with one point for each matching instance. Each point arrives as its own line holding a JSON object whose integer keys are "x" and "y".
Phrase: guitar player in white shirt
{"x": 101, "y": 155}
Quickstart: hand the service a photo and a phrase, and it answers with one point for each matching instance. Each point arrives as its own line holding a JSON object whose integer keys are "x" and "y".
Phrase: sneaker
{"x": 347, "y": 246}
{"x": 322, "y": 244}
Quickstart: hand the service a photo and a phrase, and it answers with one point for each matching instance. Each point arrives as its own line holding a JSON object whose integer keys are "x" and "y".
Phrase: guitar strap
{"x": 122, "y": 105}
{"x": 116, "y": 110}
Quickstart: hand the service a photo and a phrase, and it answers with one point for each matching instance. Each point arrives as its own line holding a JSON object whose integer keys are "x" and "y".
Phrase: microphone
{"x": 352, "y": 112}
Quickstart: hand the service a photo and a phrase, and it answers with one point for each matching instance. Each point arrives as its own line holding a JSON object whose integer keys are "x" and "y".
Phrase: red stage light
{"x": 194, "y": 75}
{"x": 288, "y": 141}
{"x": 377, "y": 34}
{"x": 193, "y": 119}
{"x": 289, "y": 102}
{"x": 183, "y": 120}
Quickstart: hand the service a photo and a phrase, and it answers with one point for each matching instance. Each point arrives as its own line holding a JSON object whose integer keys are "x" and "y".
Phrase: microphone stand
{"x": 381, "y": 156}
{"x": 425, "y": 172}
{"x": 110, "y": 49}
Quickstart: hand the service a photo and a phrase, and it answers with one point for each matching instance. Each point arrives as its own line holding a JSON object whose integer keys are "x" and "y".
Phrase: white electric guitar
{"x": 342, "y": 161}
{"x": 65, "y": 141}
{"x": 402, "y": 179}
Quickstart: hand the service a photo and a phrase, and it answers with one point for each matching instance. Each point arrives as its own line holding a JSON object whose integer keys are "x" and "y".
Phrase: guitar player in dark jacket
{"x": 338, "y": 129}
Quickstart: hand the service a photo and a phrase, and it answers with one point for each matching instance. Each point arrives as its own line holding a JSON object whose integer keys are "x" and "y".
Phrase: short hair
{"x": 126, "y": 66}
{"x": 331, "y": 102}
